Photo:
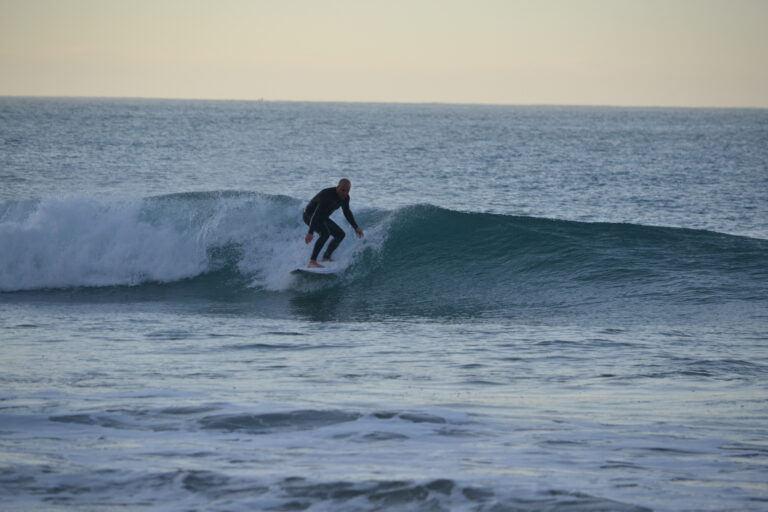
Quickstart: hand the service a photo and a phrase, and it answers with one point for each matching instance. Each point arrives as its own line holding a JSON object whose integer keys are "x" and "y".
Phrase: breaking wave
{"x": 418, "y": 259}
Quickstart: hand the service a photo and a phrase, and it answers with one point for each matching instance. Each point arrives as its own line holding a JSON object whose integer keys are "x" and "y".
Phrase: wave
{"x": 416, "y": 258}
{"x": 82, "y": 241}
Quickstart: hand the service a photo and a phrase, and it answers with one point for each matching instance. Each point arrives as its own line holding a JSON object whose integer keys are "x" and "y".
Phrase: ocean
{"x": 552, "y": 309}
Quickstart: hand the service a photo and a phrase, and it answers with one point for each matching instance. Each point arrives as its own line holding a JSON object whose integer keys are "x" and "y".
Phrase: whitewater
{"x": 553, "y": 308}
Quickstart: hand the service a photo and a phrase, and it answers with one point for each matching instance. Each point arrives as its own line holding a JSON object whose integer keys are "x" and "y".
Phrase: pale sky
{"x": 574, "y": 52}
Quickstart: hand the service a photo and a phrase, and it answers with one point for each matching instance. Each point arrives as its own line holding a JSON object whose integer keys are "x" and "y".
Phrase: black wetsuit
{"x": 317, "y": 216}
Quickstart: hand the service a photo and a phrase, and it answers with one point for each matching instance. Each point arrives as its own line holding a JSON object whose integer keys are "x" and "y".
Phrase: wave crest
{"x": 419, "y": 259}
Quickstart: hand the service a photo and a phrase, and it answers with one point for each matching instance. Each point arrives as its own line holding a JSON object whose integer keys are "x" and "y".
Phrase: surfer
{"x": 317, "y": 216}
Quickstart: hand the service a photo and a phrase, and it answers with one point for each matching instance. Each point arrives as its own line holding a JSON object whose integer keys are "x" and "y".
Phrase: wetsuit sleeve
{"x": 348, "y": 213}
{"x": 314, "y": 219}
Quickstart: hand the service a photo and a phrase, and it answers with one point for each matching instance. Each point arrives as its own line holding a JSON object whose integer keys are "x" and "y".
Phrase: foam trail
{"x": 83, "y": 241}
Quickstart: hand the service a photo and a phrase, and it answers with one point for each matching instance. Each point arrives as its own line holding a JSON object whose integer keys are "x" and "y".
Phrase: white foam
{"x": 273, "y": 250}
{"x": 85, "y": 241}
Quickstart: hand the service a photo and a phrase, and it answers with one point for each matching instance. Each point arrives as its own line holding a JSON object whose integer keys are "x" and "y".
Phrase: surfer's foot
{"x": 314, "y": 264}
{"x": 329, "y": 260}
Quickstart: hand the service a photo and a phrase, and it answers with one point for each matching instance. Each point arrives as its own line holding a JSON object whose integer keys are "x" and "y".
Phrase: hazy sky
{"x": 599, "y": 52}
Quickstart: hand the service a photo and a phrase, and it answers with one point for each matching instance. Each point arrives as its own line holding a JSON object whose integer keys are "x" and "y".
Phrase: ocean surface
{"x": 553, "y": 308}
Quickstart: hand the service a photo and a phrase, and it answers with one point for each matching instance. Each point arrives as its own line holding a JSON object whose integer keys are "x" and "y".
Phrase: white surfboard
{"x": 312, "y": 270}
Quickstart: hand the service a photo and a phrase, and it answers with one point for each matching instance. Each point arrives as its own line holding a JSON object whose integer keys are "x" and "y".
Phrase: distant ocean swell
{"x": 411, "y": 257}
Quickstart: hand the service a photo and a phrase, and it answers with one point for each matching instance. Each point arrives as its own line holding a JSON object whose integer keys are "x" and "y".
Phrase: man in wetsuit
{"x": 317, "y": 216}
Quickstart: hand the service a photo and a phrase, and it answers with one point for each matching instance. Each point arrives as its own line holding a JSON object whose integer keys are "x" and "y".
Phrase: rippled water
{"x": 576, "y": 322}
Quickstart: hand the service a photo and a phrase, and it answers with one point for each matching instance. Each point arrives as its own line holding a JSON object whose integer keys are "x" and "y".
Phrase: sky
{"x": 698, "y": 53}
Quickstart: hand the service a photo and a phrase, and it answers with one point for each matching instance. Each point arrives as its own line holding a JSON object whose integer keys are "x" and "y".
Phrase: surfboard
{"x": 319, "y": 271}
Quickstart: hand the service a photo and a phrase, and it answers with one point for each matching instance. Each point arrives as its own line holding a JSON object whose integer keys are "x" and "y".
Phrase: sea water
{"x": 553, "y": 308}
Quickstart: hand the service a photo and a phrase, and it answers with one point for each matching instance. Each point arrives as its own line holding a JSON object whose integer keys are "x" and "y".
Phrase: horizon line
{"x": 382, "y": 102}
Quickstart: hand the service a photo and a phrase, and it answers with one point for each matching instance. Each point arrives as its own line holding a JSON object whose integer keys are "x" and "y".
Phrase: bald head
{"x": 343, "y": 188}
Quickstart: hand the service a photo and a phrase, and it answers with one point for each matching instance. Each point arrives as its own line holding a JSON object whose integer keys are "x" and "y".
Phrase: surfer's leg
{"x": 324, "y": 234}
{"x": 338, "y": 235}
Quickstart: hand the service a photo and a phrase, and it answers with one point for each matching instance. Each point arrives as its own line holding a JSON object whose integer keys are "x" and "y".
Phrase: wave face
{"x": 485, "y": 264}
{"x": 418, "y": 260}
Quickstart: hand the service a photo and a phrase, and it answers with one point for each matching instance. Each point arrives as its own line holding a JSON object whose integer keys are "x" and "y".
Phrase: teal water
{"x": 552, "y": 309}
